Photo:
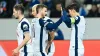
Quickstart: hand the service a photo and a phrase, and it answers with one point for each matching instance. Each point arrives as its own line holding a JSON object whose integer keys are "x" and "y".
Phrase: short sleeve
{"x": 25, "y": 27}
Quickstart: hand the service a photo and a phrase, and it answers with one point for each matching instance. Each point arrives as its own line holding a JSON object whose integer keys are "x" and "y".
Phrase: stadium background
{"x": 91, "y": 38}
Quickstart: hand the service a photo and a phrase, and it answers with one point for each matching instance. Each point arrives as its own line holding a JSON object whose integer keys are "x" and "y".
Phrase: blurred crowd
{"x": 88, "y": 8}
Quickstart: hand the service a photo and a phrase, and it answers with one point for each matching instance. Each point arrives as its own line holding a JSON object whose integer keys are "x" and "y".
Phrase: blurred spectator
{"x": 25, "y": 3}
{"x": 99, "y": 9}
{"x": 82, "y": 11}
{"x": 57, "y": 11}
{"x": 33, "y": 2}
{"x": 46, "y": 2}
{"x": 2, "y": 12}
{"x": 10, "y": 4}
{"x": 3, "y": 9}
{"x": 92, "y": 1}
{"x": 30, "y": 13}
{"x": 94, "y": 11}
{"x": 67, "y": 2}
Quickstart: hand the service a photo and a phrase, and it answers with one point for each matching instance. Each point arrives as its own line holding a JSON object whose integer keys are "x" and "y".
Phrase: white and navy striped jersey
{"x": 78, "y": 29}
{"x": 22, "y": 28}
{"x": 40, "y": 36}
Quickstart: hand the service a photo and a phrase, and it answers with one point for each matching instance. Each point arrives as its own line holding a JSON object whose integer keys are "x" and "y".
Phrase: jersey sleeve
{"x": 66, "y": 19}
{"x": 48, "y": 24}
{"x": 25, "y": 27}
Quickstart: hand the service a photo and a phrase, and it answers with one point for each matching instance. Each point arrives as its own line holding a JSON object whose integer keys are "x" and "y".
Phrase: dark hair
{"x": 59, "y": 2}
{"x": 73, "y": 6}
{"x": 19, "y": 7}
{"x": 40, "y": 6}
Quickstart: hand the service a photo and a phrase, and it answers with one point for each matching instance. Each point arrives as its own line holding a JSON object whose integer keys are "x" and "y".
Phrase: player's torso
{"x": 20, "y": 36}
{"x": 41, "y": 36}
{"x": 78, "y": 31}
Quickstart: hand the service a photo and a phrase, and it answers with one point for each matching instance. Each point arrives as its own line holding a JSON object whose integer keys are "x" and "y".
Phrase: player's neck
{"x": 39, "y": 16}
{"x": 20, "y": 17}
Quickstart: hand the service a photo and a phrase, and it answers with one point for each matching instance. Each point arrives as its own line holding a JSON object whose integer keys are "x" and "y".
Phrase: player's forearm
{"x": 49, "y": 44}
{"x": 51, "y": 39}
{"x": 26, "y": 39}
{"x": 51, "y": 36}
{"x": 58, "y": 23}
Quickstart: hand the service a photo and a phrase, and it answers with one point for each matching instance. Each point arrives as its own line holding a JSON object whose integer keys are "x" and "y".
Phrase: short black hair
{"x": 40, "y": 6}
{"x": 73, "y": 6}
{"x": 19, "y": 7}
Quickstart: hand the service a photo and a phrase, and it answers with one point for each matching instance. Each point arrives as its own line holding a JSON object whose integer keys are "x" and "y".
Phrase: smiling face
{"x": 44, "y": 12}
{"x": 41, "y": 10}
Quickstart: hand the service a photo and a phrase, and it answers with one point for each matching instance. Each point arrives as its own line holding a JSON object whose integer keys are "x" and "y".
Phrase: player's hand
{"x": 15, "y": 52}
{"x": 61, "y": 11}
{"x": 46, "y": 50}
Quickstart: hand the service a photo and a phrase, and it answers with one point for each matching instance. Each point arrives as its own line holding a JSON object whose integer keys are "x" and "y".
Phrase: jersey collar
{"x": 21, "y": 20}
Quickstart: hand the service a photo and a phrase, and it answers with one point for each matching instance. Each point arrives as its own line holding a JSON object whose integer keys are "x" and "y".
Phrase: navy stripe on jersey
{"x": 21, "y": 20}
{"x": 49, "y": 40}
{"x": 41, "y": 41}
{"x": 77, "y": 20}
{"x": 25, "y": 48}
{"x": 76, "y": 36}
{"x": 25, "y": 26}
{"x": 76, "y": 40}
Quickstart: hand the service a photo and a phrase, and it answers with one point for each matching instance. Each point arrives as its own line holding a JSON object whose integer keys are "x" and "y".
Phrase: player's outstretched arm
{"x": 49, "y": 24}
{"x": 56, "y": 24}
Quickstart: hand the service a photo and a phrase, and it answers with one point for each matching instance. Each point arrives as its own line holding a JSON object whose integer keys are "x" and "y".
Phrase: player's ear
{"x": 38, "y": 10}
{"x": 19, "y": 12}
{"x": 73, "y": 10}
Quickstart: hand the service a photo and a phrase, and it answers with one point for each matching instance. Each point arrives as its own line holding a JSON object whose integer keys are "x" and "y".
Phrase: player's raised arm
{"x": 49, "y": 24}
{"x": 67, "y": 20}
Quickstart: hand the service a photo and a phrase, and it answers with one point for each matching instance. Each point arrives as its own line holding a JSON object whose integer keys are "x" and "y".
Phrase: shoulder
{"x": 24, "y": 25}
{"x": 34, "y": 20}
